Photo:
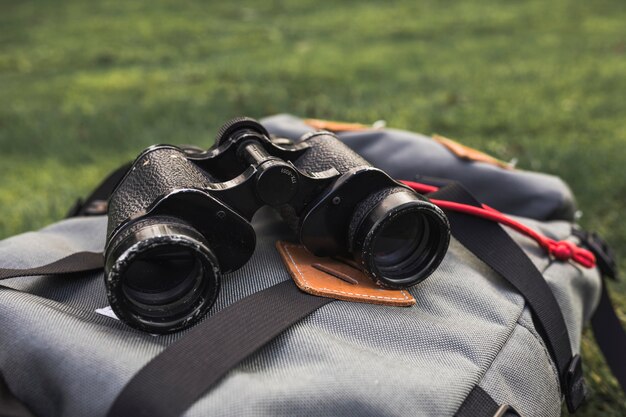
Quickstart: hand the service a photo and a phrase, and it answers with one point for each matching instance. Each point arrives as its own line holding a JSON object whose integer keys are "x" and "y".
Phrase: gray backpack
{"x": 495, "y": 331}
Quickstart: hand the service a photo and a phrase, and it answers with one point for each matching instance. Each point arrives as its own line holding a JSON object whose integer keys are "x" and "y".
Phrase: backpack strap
{"x": 171, "y": 382}
{"x": 606, "y": 325}
{"x": 610, "y": 336}
{"x": 491, "y": 244}
{"x": 75, "y": 262}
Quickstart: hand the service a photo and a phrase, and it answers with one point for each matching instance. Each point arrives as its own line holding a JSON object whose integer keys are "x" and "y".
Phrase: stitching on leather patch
{"x": 314, "y": 281}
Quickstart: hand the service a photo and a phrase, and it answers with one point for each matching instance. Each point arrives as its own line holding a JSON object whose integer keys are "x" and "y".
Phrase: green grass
{"x": 85, "y": 86}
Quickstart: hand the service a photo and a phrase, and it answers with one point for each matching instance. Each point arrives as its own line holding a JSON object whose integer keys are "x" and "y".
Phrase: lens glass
{"x": 162, "y": 275}
{"x": 404, "y": 246}
{"x": 398, "y": 239}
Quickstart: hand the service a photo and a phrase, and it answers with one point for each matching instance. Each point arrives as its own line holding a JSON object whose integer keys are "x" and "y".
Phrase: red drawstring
{"x": 562, "y": 250}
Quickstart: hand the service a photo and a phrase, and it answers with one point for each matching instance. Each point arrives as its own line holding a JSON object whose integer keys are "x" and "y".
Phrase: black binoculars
{"x": 180, "y": 219}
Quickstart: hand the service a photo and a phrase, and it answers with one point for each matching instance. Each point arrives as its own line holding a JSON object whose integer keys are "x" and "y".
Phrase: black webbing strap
{"x": 610, "y": 336}
{"x": 76, "y": 262}
{"x": 607, "y": 329}
{"x": 480, "y": 404}
{"x": 176, "y": 378}
{"x": 491, "y": 244}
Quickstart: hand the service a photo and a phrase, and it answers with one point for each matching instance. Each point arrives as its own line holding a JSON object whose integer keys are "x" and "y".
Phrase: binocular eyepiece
{"x": 180, "y": 219}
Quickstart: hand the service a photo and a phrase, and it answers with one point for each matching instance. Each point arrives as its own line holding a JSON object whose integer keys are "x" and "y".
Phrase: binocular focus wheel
{"x": 234, "y": 125}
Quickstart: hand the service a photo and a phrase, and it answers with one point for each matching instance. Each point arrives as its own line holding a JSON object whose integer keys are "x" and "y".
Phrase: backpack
{"x": 495, "y": 331}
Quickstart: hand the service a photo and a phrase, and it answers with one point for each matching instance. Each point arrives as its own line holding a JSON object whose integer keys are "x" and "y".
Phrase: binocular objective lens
{"x": 399, "y": 237}
{"x": 162, "y": 275}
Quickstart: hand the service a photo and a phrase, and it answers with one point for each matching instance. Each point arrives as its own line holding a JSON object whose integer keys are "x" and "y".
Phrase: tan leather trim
{"x": 333, "y": 126}
{"x": 328, "y": 277}
{"x": 469, "y": 154}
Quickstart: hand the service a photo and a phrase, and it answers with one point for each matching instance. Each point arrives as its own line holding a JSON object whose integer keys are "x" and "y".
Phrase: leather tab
{"x": 333, "y": 278}
{"x": 469, "y": 154}
{"x": 334, "y": 126}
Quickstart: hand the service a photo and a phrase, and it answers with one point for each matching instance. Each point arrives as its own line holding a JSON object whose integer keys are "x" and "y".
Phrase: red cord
{"x": 562, "y": 250}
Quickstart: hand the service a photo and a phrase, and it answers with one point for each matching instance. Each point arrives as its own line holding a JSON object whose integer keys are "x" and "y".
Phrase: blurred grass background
{"x": 84, "y": 86}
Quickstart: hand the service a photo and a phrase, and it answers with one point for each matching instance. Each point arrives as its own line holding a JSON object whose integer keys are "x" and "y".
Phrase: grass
{"x": 84, "y": 86}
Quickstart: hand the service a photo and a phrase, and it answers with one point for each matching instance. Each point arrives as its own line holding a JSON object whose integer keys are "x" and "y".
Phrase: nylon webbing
{"x": 76, "y": 262}
{"x": 610, "y": 336}
{"x": 176, "y": 378}
{"x": 480, "y": 404}
{"x": 491, "y": 244}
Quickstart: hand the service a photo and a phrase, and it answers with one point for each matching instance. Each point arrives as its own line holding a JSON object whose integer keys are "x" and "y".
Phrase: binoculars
{"x": 180, "y": 219}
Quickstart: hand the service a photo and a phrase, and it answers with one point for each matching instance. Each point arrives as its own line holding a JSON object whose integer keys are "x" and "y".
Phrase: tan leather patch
{"x": 332, "y": 126}
{"x": 333, "y": 278}
{"x": 469, "y": 154}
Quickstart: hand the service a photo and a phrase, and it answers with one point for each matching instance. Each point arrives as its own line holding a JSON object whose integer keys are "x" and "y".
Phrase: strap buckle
{"x": 506, "y": 410}
{"x": 575, "y": 386}
{"x": 605, "y": 257}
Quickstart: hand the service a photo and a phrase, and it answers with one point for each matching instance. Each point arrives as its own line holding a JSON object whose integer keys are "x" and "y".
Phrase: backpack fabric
{"x": 468, "y": 328}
